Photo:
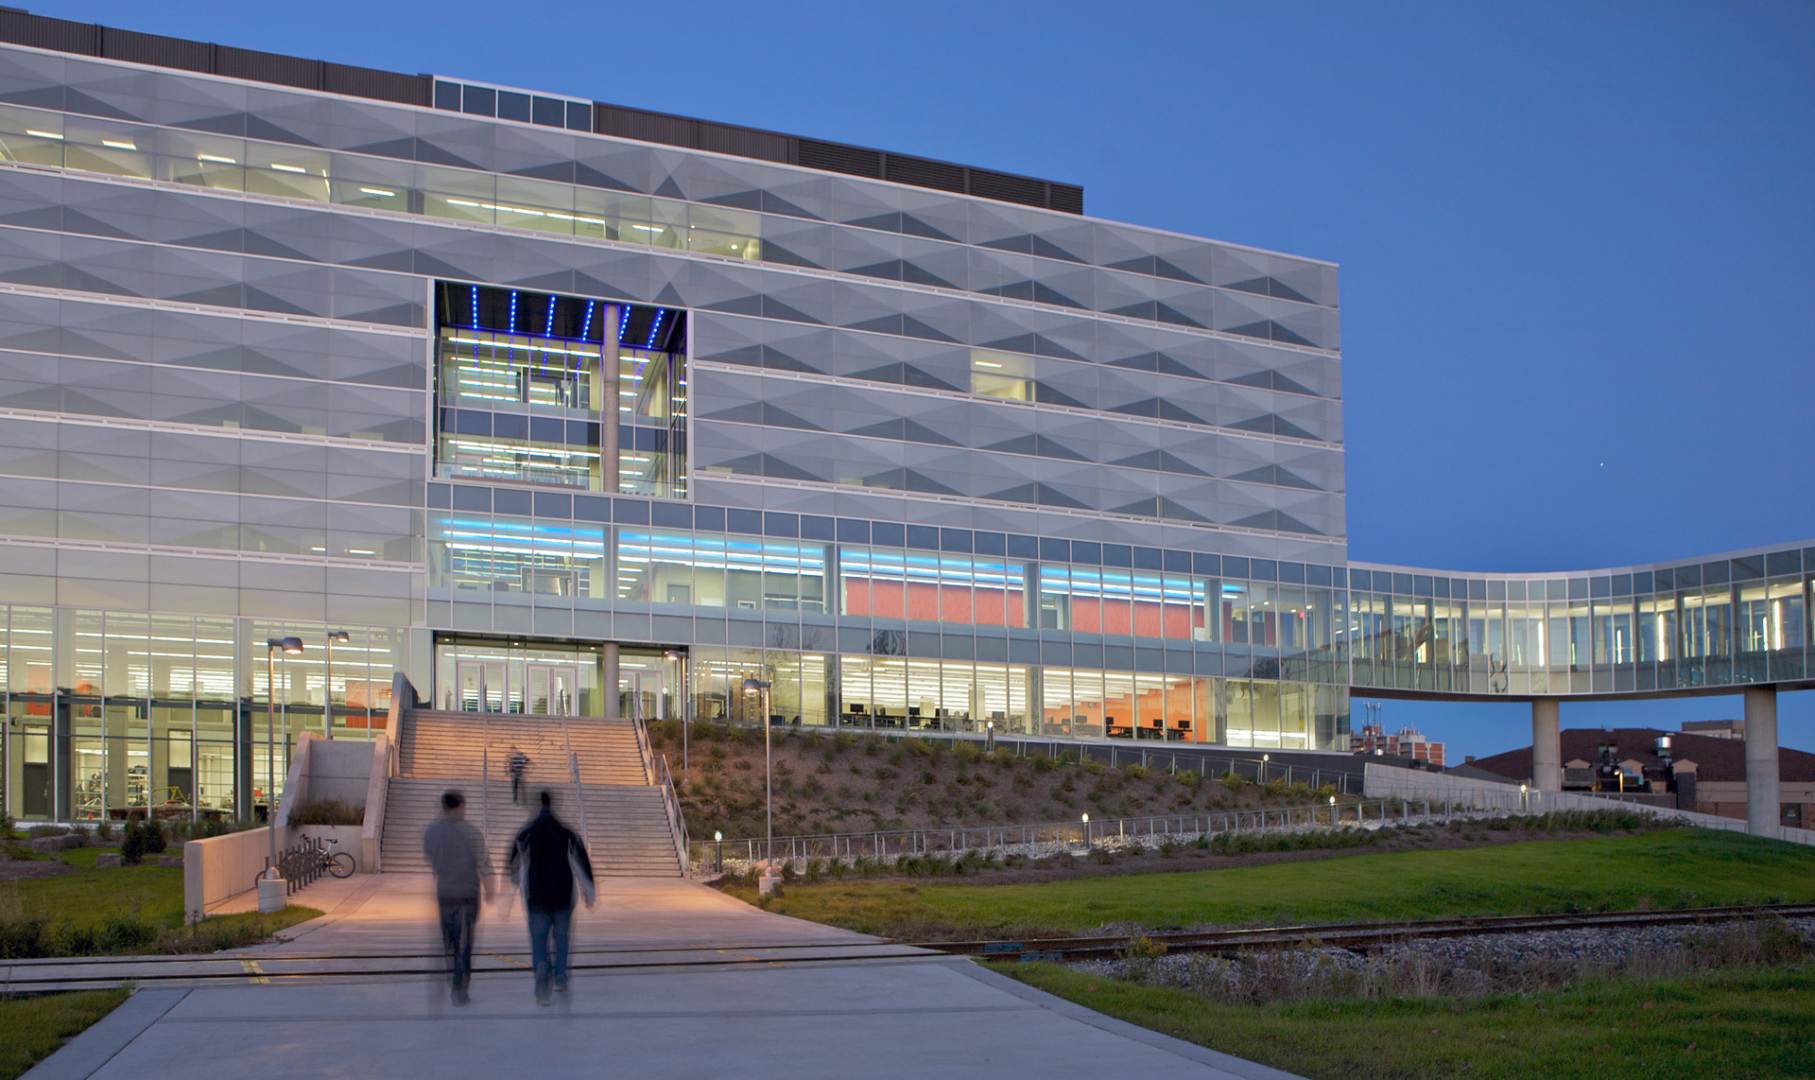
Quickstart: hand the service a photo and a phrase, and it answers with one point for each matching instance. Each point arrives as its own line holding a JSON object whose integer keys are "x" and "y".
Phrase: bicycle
{"x": 338, "y": 863}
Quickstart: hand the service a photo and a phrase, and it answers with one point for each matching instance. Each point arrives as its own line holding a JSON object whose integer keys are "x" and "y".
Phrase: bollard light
{"x": 759, "y": 688}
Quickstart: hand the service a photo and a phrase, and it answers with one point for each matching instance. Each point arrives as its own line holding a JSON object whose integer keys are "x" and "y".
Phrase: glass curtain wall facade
{"x": 488, "y": 390}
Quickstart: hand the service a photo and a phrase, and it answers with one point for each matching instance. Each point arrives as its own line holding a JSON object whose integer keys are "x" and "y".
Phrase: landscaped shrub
{"x": 152, "y": 836}
{"x": 132, "y": 843}
{"x": 327, "y": 812}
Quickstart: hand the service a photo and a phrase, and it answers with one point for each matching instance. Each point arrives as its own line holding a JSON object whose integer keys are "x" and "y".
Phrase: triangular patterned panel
{"x": 404, "y": 148}
{"x": 1147, "y": 460}
{"x": 913, "y": 376}
{"x": 887, "y": 324}
{"x": 1172, "y": 463}
{"x": 561, "y": 172}
{"x": 668, "y": 189}
{"x": 1286, "y": 292}
{"x": 887, "y": 270}
{"x": 887, "y": 478}
{"x": 45, "y": 97}
{"x": 76, "y": 221}
{"x": 919, "y": 481}
{"x": 749, "y": 412}
{"x": 775, "y": 204}
{"x": 1046, "y": 346}
{"x": 1137, "y": 362}
{"x": 885, "y": 429}
{"x": 1141, "y": 407}
{"x": 429, "y": 264}
{"x": 1047, "y": 395}
{"x": 1266, "y": 519}
{"x": 914, "y": 431}
{"x": 1142, "y": 264}
{"x": 669, "y": 296}
{"x": 1166, "y": 313}
{"x": 884, "y": 373}
{"x": 430, "y": 152}
{"x": 1257, "y": 286}
{"x": 916, "y": 274}
{"x": 256, "y": 298}
{"x": 1020, "y": 243}
{"x": 736, "y": 305}
{"x": 743, "y": 200}
{"x": 1021, "y": 493}
{"x": 778, "y": 468}
{"x": 775, "y": 359}
{"x": 775, "y": 416}
{"x": 1142, "y": 310}
{"x": 912, "y": 327}
{"x": 593, "y": 177}
{"x": 405, "y": 314}
{"x": 1146, "y": 506}
{"x": 1170, "y": 409}
{"x": 913, "y": 226}
{"x": 1046, "y": 294}
{"x": 1020, "y": 444}
{"x": 1288, "y": 478}
{"x": 1284, "y": 333}
{"x": 1162, "y": 268}
{"x": 1282, "y": 382}
{"x": 1282, "y": 426}
{"x": 220, "y": 240}
{"x": 748, "y": 465}
{"x": 889, "y": 222}
{"x": 1048, "y": 495}
{"x": 260, "y": 127}
{"x": 386, "y": 260}
{"x": 1044, "y": 247}
{"x": 1263, "y": 475}
{"x": 775, "y": 309}
{"x": 260, "y": 244}
{"x": 1263, "y": 423}
{"x": 1262, "y": 379}
{"x": 1168, "y": 364}
{"x": 1021, "y": 343}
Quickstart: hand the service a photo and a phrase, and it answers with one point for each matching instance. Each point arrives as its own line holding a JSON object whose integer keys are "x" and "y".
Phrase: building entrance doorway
{"x": 552, "y": 689}
{"x": 481, "y": 685}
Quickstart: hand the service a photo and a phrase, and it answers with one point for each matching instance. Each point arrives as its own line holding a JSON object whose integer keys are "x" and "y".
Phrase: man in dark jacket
{"x": 462, "y": 869}
{"x": 546, "y": 862}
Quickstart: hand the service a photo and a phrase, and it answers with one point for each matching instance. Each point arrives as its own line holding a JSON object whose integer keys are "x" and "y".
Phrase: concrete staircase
{"x": 624, "y": 820}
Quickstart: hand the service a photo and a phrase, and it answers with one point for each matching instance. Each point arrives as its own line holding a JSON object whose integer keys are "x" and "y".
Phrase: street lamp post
{"x": 1086, "y": 823}
{"x": 290, "y": 646}
{"x": 761, "y": 687}
{"x": 686, "y": 702}
{"x": 327, "y": 685}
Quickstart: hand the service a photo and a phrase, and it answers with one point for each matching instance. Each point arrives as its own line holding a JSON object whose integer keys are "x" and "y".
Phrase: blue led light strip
{"x": 655, "y": 327}
{"x": 548, "y": 322}
{"x": 513, "y": 311}
{"x": 475, "y": 307}
{"x": 624, "y": 323}
{"x": 586, "y": 327}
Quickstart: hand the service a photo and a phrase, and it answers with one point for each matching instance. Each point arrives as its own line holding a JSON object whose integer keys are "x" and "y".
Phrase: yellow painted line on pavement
{"x": 258, "y": 973}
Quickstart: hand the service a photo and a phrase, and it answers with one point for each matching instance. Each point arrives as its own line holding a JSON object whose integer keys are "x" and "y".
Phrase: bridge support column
{"x": 1763, "y": 815}
{"x": 1546, "y": 745}
{"x": 610, "y": 689}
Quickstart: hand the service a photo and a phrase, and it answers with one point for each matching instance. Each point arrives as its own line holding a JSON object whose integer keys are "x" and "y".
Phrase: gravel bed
{"x": 1471, "y": 964}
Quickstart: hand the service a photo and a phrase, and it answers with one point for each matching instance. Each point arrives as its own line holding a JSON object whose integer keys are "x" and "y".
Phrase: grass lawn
{"x": 1757, "y": 1022}
{"x": 1663, "y": 868}
{"x": 36, "y": 1026}
{"x": 91, "y": 896}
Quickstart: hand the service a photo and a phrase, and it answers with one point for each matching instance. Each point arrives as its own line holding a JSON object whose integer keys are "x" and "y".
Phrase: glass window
{"x": 1004, "y": 376}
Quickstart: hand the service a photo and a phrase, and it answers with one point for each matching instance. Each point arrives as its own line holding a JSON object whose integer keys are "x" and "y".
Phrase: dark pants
{"x": 516, "y": 788}
{"x": 548, "y": 940}
{"x": 457, "y": 919}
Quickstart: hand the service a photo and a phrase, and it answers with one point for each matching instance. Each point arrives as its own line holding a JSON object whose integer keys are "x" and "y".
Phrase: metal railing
{"x": 671, "y": 804}
{"x": 485, "y": 796}
{"x": 644, "y": 752}
{"x": 887, "y": 846}
{"x": 579, "y": 798}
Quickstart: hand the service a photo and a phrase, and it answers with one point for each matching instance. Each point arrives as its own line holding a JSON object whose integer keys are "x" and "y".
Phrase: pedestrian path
{"x": 673, "y": 979}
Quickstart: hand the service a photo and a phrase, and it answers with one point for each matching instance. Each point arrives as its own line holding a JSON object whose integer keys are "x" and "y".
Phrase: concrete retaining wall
{"x": 221, "y": 867}
{"x": 1389, "y": 782}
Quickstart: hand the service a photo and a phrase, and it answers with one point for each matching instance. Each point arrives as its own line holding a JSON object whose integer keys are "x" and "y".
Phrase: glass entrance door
{"x": 553, "y": 689}
{"x": 642, "y": 694}
{"x": 481, "y": 684}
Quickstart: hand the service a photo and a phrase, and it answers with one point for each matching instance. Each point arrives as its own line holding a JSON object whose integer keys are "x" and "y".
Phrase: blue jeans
{"x": 548, "y": 937}
{"x": 457, "y": 919}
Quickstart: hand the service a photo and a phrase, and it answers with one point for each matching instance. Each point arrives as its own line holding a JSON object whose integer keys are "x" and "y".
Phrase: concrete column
{"x": 610, "y": 689}
{"x": 1763, "y": 815}
{"x": 1546, "y": 747}
{"x": 608, "y": 404}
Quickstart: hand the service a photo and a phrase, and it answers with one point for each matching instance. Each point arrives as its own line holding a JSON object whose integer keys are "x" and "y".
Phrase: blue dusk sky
{"x": 1577, "y": 240}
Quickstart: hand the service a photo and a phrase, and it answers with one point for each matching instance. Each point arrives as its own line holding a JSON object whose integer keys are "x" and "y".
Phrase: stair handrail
{"x": 645, "y": 755}
{"x": 677, "y": 822}
{"x": 579, "y": 798}
{"x": 485, "y": 796}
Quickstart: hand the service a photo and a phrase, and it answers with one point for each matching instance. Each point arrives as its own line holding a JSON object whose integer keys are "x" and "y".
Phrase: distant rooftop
{"x": 20, "y": 27}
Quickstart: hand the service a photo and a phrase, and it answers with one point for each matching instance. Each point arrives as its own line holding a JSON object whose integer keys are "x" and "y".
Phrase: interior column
{"x": 1546, "y": 745}
{"x": 1763, "y": 815}
{"x": 608, "y": 406}
{"x": 610, "y": 689}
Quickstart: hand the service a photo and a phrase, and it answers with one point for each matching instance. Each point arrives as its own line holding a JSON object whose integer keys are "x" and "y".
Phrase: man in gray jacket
{"x": 463, "y": 869}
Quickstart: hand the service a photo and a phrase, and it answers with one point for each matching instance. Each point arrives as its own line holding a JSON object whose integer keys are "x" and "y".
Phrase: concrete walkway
{"x": 672, "y": 979}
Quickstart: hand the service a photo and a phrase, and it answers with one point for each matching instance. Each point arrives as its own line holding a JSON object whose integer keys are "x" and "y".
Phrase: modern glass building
{"x": 561, "y": 407}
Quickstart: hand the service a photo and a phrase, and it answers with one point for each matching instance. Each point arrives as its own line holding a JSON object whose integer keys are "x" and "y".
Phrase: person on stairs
{"x": 457, "y": 854}
{"x": 518, "y": 765}
{"x": 547, "y": 861}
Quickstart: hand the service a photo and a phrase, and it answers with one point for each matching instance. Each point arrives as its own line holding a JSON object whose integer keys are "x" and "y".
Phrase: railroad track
{"x": 1358, "y": 936}
{"x": 32, "y": 975}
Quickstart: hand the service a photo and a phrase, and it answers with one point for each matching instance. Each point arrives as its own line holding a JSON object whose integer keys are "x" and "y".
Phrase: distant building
{"x": 1716, "y": 729}
{"x": 1406, "y": 742}
{"x": 1700, "y": 770}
